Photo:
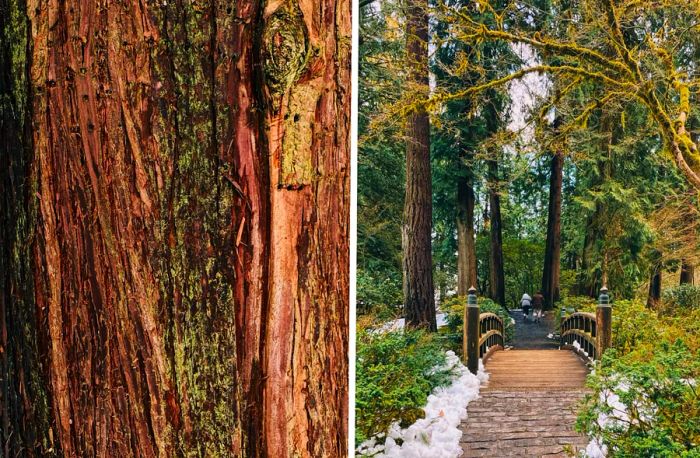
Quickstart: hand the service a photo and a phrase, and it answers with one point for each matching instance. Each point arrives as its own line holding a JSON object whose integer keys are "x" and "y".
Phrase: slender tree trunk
{"x": 186, "y": 209}
{"x": 496, "y": 274}
{"x": 654, "y": 288}
{"x": 687, "y": 273}
{"x": 418, "y": 290}
{"x": 550, "y": 274}
{"x": 466, "y": 244}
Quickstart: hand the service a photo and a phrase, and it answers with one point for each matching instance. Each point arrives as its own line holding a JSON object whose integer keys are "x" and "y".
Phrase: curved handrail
{"x": 491, "y": 334}
{"x": 578, "y": 331}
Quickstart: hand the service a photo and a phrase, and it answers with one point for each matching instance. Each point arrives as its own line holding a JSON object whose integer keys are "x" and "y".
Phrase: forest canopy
{"x": 610, "y": 86}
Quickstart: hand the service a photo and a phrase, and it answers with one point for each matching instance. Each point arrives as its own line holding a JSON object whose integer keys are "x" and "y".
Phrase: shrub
{"x": 577, "y": 304}
{"x": 634, "y": 326}
{"x": 396, "y": 371}
{"x": 682, "y": 297}
{"x": 568, "y": 281}
{"x": 381, "y": 296}
{"x": 645, "y": 408}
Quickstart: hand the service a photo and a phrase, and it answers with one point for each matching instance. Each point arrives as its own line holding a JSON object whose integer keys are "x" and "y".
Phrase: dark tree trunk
{"x": 25, "y": 414}
{"x": 687, "y": 273}
{"x": 185, "y": 205}
{"x": 654, "y": 288}
{"x": 496, "y": 274}
{"x": 418, "y": 289}
{"x": 550, "y": 274}
{"x": 466, "y": 244}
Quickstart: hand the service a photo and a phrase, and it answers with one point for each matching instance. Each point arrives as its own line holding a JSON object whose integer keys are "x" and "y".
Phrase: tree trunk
{"x": 550, "y": 274}
{"x": 496, "y": 275}
{"x": 654, "y": 288}
{"x": 184, "y": 198}
{"x": 418, "y": 290}
{"x": 687, "y": 273}
{"x": 466, "y": 244}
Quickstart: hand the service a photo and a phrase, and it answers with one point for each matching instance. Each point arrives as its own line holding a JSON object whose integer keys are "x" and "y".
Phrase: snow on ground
{"x": 395, "y": 325}
{"x": 578, "y": 347}
{"x": 618, "y": 415}
{"x": 438, "y": 434}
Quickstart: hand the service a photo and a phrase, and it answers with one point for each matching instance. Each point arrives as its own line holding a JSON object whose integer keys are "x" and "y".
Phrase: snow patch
{"x": 617, "y": 417}
{"x": 438, "y": 434}
{"x": 395, "y": 325}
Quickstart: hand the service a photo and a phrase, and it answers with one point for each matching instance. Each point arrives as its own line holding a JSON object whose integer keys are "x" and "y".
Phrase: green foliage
{"x": 684, "y": 296}
{"x": 655, "y": 381}
{"x": 568, "y": 282}
{"x": 576, "y": 304}
{"x": 523, "y": 261}
{"x": 634, "y": 326}
{"x": 380, "y": 295}
{"x": 396, "y": 371}
{"x": 659, "y": 398}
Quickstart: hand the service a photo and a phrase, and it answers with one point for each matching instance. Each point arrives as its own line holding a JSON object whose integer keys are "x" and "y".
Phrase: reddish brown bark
{"x": 190, "y": 297}
{"x": 418, "y": 288}
{"x": 551, "y": 271}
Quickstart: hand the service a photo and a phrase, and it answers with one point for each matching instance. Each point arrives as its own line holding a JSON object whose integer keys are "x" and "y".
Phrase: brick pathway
{"x": 527, "y": 409}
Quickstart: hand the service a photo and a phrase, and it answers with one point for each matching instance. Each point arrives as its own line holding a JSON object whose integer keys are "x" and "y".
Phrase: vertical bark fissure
{"x": 153, "y": 288}
{"x": 418, "y": 289}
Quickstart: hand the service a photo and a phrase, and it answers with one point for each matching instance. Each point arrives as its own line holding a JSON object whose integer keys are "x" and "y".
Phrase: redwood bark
{"x": 496, "y": 273}
{"x": 188, "y": 282}
{"x": 687, "y": 273}
{"x": 418, "y": 289}
{"x": 551, "y": 271}
{"x": 466, "y": 244}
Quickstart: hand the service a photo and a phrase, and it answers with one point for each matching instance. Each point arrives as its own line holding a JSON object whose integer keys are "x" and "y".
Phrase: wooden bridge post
{"x": 471, "y": 332}
{"x": 603, "y": 317}
{"x": 561, "y": 330}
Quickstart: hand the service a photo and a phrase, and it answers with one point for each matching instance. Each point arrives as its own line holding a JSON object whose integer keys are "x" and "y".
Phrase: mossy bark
{"x": 181, "y": 301}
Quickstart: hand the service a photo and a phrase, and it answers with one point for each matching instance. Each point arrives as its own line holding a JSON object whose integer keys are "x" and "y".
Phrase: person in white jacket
{"x": 526, "y": 305}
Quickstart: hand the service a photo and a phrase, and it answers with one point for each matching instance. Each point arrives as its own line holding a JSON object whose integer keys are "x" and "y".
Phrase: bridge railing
{"x": 588, "y": 333}
{"x": 483, "y": 333}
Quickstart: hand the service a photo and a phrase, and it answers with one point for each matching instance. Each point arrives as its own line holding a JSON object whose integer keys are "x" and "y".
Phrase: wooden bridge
{"x": 528, "y": 406}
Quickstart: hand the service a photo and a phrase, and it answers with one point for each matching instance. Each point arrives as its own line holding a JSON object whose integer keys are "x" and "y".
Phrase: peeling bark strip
{"x": 174, "y": 274}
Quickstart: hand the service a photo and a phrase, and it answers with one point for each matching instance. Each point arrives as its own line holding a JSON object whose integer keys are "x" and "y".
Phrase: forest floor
{"x": 529, "y": 335}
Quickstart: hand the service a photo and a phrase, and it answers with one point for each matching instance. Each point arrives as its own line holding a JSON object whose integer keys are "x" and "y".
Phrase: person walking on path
{"x": 537, "y": 304}
{"x": 526, "y": 305}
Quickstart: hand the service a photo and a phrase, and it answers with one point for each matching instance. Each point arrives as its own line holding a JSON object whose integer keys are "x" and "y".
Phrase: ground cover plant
{"x": 396, "y": 371}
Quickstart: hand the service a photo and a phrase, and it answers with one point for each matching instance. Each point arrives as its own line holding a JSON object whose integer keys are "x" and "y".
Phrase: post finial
{"x": 471, "y": 298}
{"x": 604, "y": 298}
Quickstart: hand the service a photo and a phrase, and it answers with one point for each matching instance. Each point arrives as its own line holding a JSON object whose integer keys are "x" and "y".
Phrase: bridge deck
{"x": 535, "y": 370}
{"x": 528, "y": 406}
